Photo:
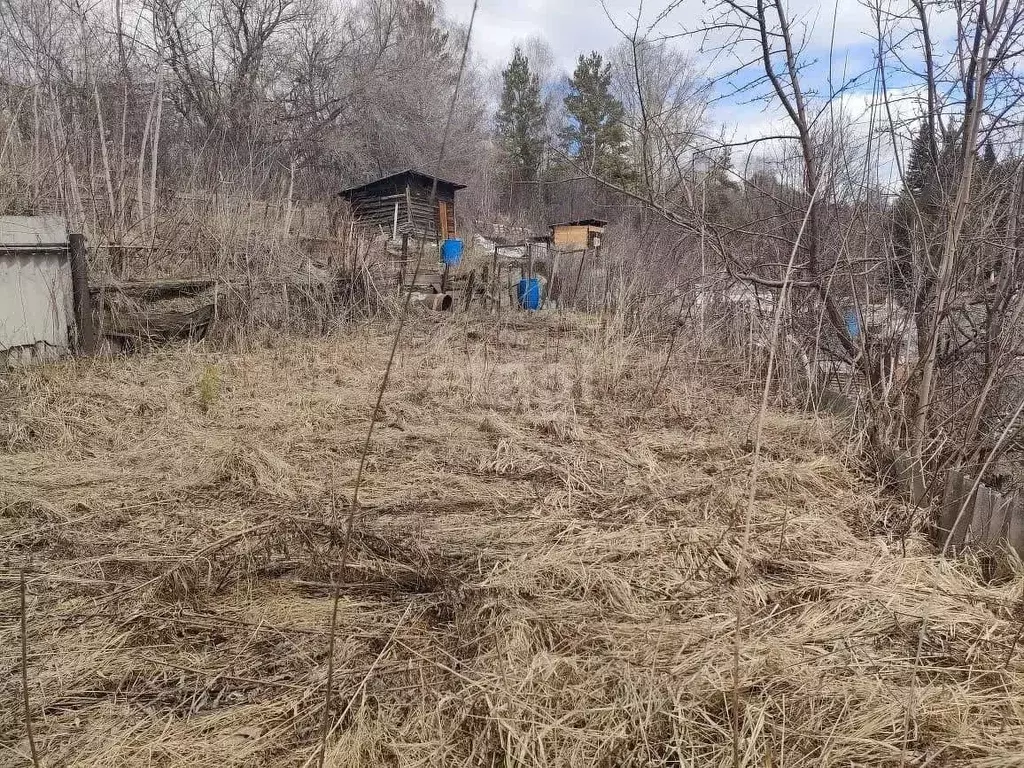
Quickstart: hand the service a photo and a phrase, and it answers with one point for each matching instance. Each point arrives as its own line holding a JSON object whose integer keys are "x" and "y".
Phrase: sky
{"x": 572, "y": 27}
{"x": 839, "y": 45}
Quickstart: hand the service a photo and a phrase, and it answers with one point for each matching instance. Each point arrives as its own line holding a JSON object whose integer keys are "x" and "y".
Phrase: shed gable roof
{"x": 582, "y": 223}
{"x": 408, "y": 172}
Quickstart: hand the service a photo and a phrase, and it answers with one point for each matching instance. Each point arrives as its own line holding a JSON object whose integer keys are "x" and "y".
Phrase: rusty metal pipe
{"x": 438, "y": 302}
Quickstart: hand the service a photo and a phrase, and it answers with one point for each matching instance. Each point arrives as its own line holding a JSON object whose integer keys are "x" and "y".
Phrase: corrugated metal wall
{"x": 36, "y": 298}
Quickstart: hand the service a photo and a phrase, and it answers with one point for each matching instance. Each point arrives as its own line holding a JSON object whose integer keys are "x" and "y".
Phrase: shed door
{"x": 443, "y": 213}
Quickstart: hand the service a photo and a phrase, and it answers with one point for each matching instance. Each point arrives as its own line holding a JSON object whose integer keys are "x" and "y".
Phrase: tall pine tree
{"x": 988, "y": 158}
{"x": 933, "y": 170}
{"x": 921, "y": 165}
{"x": 520, "y": 119}
{"x": 912, "y": 208}
{"x": 594, "y": 136}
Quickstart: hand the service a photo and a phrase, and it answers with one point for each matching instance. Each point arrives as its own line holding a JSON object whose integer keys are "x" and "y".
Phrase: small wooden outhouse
{"x": 584, "y": 233}
{"x": 399, "y": 203}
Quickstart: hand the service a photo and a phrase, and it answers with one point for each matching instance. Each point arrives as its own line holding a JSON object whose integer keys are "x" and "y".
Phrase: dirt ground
{"x": 542, "y": 570}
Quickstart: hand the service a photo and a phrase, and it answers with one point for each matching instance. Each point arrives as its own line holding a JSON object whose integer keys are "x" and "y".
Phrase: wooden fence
{"x": 969, "y": 517}
{"x": 990, "y": 519}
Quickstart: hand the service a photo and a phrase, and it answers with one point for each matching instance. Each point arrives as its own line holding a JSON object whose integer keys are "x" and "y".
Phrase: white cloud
{"x": 574, "y": 27}
{"x": 838, "y": 36}
{"x": 569, "y": 29}
{"x": 863, "y": 120}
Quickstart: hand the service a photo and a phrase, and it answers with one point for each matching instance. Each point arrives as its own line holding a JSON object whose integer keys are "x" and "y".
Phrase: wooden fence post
{"x": 554, "y": 290}
{"x": 85, "y": 334}
{"x": 497, "y": 282}
{"x": 494, "y": 273}
{"x": 579, "y": 276}
{"x": 1015, "y": 523}
{"x": 404, "y": 262}
{"x": 470, "y": 285}
{"x": 606, "y": 301}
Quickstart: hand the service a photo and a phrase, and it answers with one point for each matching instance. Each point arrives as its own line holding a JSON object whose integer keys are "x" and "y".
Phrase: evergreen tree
{"x": 921, "y": 165}
{"x": 933, "y": 171}
{"x": 594, "y": 135}
{"x": 725, "y": 171}
{"x": 520, "y": 119}
{"x": 722, "y": 187}
{"x": 912, "y": 207}
{"x": 988, "y": 157}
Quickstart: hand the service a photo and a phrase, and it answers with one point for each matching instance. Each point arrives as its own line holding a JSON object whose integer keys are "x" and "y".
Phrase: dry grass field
{"x": 542, "y": 570}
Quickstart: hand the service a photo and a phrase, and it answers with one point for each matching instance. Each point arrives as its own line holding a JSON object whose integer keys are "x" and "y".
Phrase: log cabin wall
{"x": 402, "y": 201}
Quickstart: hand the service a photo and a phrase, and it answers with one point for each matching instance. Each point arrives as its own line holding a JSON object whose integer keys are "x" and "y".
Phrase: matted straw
{"x": 541, "y": 573}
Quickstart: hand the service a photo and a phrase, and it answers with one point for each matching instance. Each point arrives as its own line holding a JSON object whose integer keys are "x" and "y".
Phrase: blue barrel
{"x": 528, "y": 292}
{"x": 852, "y": 323}
{"x": 451, "y": 252}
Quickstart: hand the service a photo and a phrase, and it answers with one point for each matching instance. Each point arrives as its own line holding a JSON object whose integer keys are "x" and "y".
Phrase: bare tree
{"x": 937, "y": 367}
{"x": 223, "y": 57}
{"x": 665, "y": 105}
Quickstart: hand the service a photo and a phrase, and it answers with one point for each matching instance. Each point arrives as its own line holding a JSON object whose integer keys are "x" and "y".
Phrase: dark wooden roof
{"x": 582, "y": 223}
{"x": 408, "y": 174}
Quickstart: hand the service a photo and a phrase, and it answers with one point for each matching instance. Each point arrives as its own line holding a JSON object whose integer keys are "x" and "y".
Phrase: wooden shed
{"x": 583, "y": 233}
{"x": 400, "y": 203}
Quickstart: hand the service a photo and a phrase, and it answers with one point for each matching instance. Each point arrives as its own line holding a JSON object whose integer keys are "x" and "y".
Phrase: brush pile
{"x": 541, "y": 570}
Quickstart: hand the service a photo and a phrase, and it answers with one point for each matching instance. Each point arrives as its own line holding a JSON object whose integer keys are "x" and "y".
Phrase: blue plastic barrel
{"x": 451, "y": 252}
{"x": 852, "y": 323}
{"x": 528, "y": 292}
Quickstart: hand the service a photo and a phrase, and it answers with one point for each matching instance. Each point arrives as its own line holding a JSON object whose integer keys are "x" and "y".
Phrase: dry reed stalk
{"x": 24, "y": 672}
{"x": 362, "y": 683}
{"x": 107, "y": 172}
{"x": 140, "y": 199}
{"x": 375, "y": 414}
{"x": 741, "y": 565}
{"x": 154, "y": 156}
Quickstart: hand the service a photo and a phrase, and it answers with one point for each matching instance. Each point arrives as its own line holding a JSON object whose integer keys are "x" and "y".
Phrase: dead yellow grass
{"x": 541, "y": 575}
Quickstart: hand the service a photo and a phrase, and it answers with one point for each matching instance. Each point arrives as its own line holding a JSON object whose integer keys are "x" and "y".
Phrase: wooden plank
{"x": 151, "y": 290}
{"x": 470, "y": 285}
{"x": 163, "y": 326}
{"x": 500, "y": 292}
{"x": 962, "y": 513}
{"x": 494, "y": 286}
{"x": 1015, "y": 524}
{"x": 82, "y": 298}
{"x": 976, "y": 530}
{"x": 995, "y": 530}
{"x": 946, "y": 513}
{"x": 442, "y": 210}
{"x": 579, "y": 276}
{"x": 368, "y": 199}
{"x": 991, "y": 519}
{"x": 404, "y": 261}
{"x": 950, "y": 510}
{"x": 555, "y": 281}
{"x": 570, "y": 236}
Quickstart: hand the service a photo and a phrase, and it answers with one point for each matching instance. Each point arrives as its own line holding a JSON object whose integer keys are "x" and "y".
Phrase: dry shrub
{"x": 275, "y": 265}
{"x": 542, "y": 571}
